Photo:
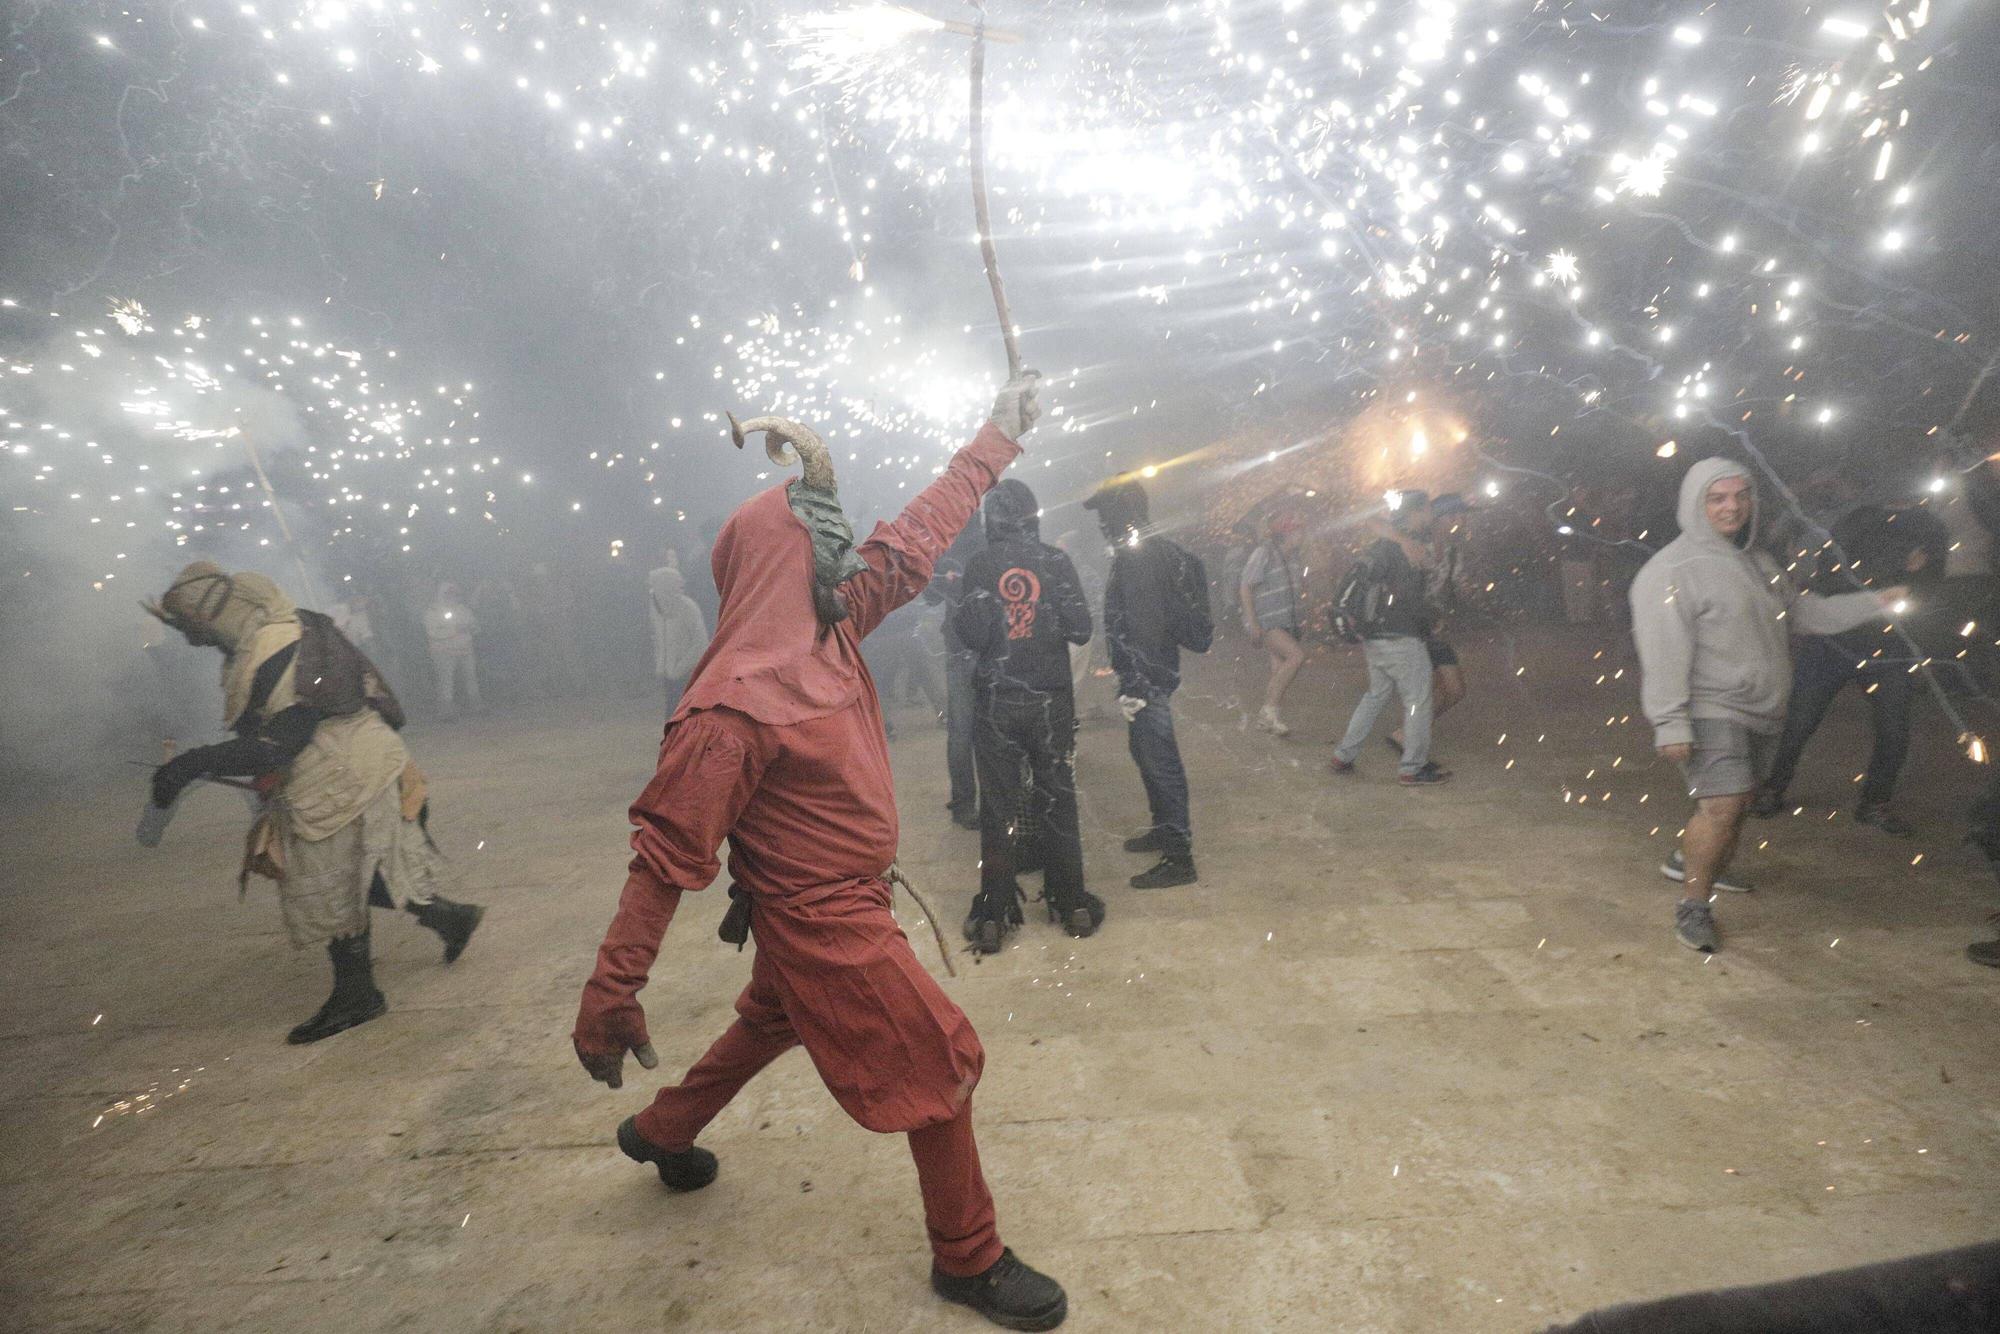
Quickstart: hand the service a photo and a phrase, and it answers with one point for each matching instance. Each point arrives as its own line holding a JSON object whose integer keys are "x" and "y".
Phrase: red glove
{"x": 609, "y": 1021}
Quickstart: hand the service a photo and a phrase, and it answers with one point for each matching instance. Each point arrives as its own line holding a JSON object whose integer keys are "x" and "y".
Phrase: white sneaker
{"x": 1675, "y": 870}
{"x": 1269, "y": 721}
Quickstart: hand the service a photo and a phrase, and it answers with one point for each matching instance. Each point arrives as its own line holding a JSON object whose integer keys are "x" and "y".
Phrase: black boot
{"x": 690, "y": 1169}
{"x": 354, "y": 1000}
{"x": 454, "y": 922}
{"x": 1082, "y": 914}
{"x": 989, "y": 923}
{"x": 1171, "y": 871}
{"x": 1009, "y": 1294}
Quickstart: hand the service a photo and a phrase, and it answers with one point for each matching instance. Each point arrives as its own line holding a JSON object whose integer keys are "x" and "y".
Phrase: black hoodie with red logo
{"x": 1022, "y": 604}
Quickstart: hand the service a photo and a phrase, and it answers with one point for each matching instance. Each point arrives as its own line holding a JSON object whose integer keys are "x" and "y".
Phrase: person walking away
{"x": 777, "y": 748}
{"x": 680, "y": 636}
{"x": 1711, "y": 616}
{"x": 1155, "y": 605}
{"x": 1022, "y": 608}
{"x": 946, "y": 588}
{"x": 1385, "y": 601}
{"x": 449, "y": 628}
{"x": 344, "y": 822}
{"x": 1871, "y": 546}
{"x": 1447, "y": 674}
{"x": 1270, "y": 601}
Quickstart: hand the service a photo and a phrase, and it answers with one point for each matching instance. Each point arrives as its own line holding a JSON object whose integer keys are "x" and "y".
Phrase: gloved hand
{"x": 1015, "y": 410}
{"x": 609, "y": 1019}
{"x": 1130, "y": 705}
{"x": 175, "y": 774}
{"x": 153, "y": 824}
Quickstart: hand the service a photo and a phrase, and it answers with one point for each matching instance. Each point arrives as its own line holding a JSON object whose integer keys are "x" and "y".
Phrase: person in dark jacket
{"x": 1155, "y": 605}
{"x": 1021, "y": 610}
{"x": 947, "y": 586}
{"x": 1395, "y": 622}
{"x": 1872, "y": 546}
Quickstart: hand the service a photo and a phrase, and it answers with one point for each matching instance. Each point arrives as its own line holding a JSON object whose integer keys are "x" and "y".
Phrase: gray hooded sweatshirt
{"x": 1712, "y": 621}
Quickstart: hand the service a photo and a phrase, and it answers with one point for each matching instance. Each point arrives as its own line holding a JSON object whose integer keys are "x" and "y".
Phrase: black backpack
{"x": 1357, "y": 607}
{"x": 1188, "y": 618}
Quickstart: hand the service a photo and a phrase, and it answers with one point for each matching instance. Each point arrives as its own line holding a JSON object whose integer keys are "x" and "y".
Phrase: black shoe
{"x": 354, "y": 1000}
{"x": 1428, "y": 776}
{"x": 1009, "y": 1294}
{"x": 1084, "y": 915}
{"x": 1169, "y": 872}
{"x": 1767, "y": 803}
{"x": 1878, "y": 815}
{"x": 1150, "y": 841}
{"x": 1984, "y": 951}
{"x": 984, "y": 933}
{"x": 454, "y": 922}
{"x": 690, "y": 1169}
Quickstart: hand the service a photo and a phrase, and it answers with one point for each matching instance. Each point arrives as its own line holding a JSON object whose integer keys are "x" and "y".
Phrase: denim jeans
{"x": 1821, "y": 669}
{"x": 1399, "y": 665}
{"x": 960, "y": 708}
{"x": 1158, "y": 755}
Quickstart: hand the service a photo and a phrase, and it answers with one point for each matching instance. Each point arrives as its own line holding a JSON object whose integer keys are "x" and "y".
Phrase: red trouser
{"x": 958, "y": 1209}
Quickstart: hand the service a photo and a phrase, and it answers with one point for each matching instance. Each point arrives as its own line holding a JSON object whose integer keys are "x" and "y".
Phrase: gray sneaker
{"x": 1694, "y": 926}
{"x": 1675, "y": 870}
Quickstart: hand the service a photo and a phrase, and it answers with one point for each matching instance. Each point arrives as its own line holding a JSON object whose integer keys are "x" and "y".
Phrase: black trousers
{"x": 1948, "y": 1292}
{"x": 1037, "y": 731}
{"x": 1821, "y": 669}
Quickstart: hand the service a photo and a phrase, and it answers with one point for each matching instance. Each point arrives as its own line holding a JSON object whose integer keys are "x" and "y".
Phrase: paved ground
{"x": 1403, "y": 1061}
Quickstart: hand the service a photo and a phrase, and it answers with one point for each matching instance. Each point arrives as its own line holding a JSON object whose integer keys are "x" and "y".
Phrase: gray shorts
{"x": 1729, "y": 759}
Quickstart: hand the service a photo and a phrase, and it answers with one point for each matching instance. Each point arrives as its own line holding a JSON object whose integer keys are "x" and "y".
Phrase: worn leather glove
{"x": 1015, "y": 410}
{"x": 609, "y": 1018}
{"x": 175, "y": 774}
{"x": 1130, "y": 705}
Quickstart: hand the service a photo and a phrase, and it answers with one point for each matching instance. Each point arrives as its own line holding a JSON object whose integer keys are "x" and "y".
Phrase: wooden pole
{"x": 979, "y": 210}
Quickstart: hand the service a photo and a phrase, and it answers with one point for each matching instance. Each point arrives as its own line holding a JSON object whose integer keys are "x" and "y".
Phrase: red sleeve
{"x": 709, "y": 765}
{"x": 901, "y": 555}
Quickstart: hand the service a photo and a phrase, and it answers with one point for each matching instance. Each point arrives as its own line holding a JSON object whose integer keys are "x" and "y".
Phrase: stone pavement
{"x": 1403, "y": 1061}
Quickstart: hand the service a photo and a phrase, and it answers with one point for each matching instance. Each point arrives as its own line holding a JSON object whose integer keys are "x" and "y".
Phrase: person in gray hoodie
{"x": 1712, "y": 615}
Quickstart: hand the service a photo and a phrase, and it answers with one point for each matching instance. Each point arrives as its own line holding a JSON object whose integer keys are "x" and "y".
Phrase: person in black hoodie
{"x": 1021, "y": 609}
{"x": 1155, "y": 605}
{"x": 1872, "y": 547}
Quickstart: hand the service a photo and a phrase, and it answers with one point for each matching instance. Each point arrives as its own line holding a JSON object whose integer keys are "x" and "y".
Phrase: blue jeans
{"x": 960, "y": 711}
{"x": 1401, "y": 666}
{"x": 1158, "y": 755}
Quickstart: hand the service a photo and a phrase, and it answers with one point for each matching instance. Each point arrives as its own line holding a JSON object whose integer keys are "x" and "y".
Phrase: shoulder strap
{"x": 268, "y": 674}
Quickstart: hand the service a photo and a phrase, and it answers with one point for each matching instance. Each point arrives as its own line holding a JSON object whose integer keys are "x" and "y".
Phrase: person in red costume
{"x": 777, "y": 746}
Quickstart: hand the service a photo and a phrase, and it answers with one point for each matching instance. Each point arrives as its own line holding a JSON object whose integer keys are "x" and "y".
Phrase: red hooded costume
{"x": 778, "y": 747}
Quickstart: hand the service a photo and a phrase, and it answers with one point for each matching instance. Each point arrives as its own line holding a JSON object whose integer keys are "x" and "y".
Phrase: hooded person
{"x": 344, "y": 818}
{"x": 1155, "y": 605}
{"x": 680, "y": 635}
{"x": 1022, "y": 608}
{"x": 777, "y": 746}
{"x": 1712, "y": 617}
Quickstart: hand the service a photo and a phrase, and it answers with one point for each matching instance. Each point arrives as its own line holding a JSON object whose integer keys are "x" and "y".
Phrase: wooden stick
{"x": 979, "y": 211}
{"x": 896, "y": 877}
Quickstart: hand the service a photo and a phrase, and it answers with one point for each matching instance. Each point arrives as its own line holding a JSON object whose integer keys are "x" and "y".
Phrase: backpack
{"x": 1188, "y": 618}
{"x": 1357, "y": 607}
{"x": 334, "y": 678}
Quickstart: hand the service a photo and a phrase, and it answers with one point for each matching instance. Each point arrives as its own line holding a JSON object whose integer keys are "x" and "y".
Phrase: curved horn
{"x": 806, "y": 447}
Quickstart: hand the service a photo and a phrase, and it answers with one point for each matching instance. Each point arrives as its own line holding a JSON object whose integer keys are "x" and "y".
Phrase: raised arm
{"x": 710, "y": 765}
{"x": 901, "y": 555}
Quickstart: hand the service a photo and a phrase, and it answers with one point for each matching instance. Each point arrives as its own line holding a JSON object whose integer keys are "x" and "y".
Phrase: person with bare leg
{"x": 1712, "y": 615}
{"x": 1270, "y": 597}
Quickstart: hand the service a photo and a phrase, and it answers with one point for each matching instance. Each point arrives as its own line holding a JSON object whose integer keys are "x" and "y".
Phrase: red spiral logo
{"x": 1022, "y": 593}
